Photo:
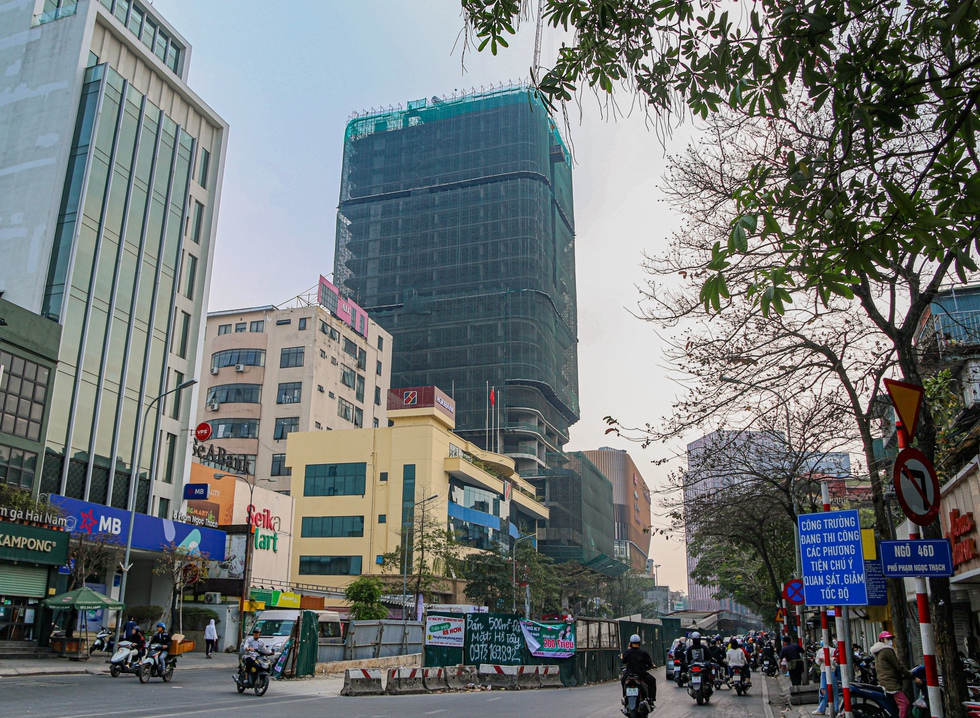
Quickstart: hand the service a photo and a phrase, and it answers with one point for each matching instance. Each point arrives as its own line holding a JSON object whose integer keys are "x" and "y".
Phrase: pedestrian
{"x": 128, "y": 628}
{"x": 210, "y": 639}
{"x": 792, "y": 656}
{"x": 891, "y": 672}
{"x": 820, "y": 660}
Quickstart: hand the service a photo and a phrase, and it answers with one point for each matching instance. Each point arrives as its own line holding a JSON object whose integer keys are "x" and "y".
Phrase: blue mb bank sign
{"x": 832, "y": 559}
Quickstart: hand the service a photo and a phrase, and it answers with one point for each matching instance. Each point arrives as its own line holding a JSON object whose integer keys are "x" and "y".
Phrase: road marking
{"x": 231, "y": 707}
{"x": 432, "y": 713}
{"x": 494, "y": 699}
{"x": 765, "y": 697}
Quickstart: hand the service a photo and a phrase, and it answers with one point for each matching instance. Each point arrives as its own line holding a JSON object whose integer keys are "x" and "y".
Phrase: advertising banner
{"x": 549, "y": 640}
{"x": 445, "y": 631}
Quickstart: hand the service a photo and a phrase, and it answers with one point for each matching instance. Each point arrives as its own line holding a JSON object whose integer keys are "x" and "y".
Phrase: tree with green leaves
{"x": 364, "y": 596}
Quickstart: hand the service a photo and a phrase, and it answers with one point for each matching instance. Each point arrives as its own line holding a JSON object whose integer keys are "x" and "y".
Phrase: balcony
{"x": 459, "y": 468}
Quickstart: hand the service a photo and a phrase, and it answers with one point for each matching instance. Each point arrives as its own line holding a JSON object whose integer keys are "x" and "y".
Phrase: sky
{"x": 287, "y": 76}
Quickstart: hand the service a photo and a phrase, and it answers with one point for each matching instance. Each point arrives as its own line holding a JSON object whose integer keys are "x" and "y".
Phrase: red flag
{"x": 491, "y": 397}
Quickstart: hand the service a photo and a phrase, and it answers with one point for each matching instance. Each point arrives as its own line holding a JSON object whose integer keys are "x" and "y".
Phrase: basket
{"x": 178, "y": 645}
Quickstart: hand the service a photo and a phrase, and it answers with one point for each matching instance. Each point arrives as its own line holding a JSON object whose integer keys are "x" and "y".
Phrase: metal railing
{"x": 56, "y": 14}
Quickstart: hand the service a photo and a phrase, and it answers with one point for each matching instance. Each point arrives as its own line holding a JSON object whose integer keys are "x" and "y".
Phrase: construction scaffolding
{"x": 455, "y": 231}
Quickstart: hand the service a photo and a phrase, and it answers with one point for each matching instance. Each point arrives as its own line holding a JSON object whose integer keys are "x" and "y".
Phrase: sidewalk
{"x": 99, "y": 663}
{"x": 779, "y": 698}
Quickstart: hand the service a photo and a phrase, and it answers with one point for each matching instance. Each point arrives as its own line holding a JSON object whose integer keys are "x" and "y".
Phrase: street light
{"x": 513, "y": 561}
{"x": 247, "y": 570}
{"x": 134, "y": 489}
{"x": 655, "y": 567}
{"x": 405, "y": 558}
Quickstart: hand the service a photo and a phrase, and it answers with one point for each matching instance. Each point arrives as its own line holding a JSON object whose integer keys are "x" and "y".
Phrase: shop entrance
{"x": 17, "y": 616}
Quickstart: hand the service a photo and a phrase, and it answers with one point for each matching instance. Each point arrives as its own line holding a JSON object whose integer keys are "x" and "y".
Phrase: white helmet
{"x": 696, "y": 636}
{"x": 635, "y": 638}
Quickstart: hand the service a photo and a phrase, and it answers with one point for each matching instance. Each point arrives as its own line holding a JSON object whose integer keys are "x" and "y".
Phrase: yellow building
{"x": 355, "y": 488}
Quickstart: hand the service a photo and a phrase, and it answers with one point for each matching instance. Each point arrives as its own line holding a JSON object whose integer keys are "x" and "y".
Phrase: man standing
{"x": 128, "y": 628}
{"x": 792, "y": 654}
{"x": 891, "y": 672}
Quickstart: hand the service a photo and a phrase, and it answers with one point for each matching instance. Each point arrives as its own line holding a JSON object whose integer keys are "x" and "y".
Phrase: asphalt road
{"x": 212, "y": 693}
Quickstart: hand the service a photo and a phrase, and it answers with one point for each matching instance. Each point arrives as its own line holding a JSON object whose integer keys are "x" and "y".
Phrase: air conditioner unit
{"x": 214, "y": 371}
{"x": 239, "y": 367}
{"x": 213, "y": 406}
{"x": 212, "y": 597}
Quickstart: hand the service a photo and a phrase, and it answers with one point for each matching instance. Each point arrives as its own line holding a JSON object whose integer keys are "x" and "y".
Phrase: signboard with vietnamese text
{"x": 445, "y": 631}
{"x": 32, "y": 544}
{"x": 549, "y": 640}
{"x": 832, "y": 559}
{"x": 918, "y": 557}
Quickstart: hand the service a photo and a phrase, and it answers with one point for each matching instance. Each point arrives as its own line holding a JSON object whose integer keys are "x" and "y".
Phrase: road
{"x": 212, "y": 692}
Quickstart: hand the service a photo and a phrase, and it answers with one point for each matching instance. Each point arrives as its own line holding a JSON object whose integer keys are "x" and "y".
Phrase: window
{"x": 382, "y": 518}
{"x": 23, "y": 393}
{"x": 330, "y": 299}
{"x": 319, "y": 388}
{"x": 317, "y": 425}
{"x": 170, "y": 449}
{"x": 377, "y": 396}
{"x": 175, "y": 406}
{"x": 197, "y": 222}
{"x": 17, "y": 467}
{"x": 224, "y": 329}
{"x": 190, "y": 276}
{"x": 257, "y": 327}
{"x": 358, "y": 416}
{"x": 381, "y": 344}
{"x": 291, "y": 357}
{"x": 285, "y": 426}
{"x": 374, "y": 422}
{"x": 231, "y": 357}
{"x": 235, "y": 428}
{"x": 377, "y": 369}
{"x": 383, "y": 476}
{"x": 283, "y": 322}
{"x": 202, "y": 175}
{"x": 347, "y": 376}
{"x": 350, "y": 347}
{"x": 241, "y": 327}
{"x": 235, "y": 394}
{"x": 359, "y": 391}
{"x": 323, "y": 354}
{"x": 345, "y": 409}
{"x": 335, "y": 479}
{"x": 182, "y": 336}
{"x": 329, "y": 331}
{"x": 330, "y": 565}
{"x": 164, "y": 509}
{"x": 279, "y": 467}
{"x": 290, "y": 393}
{"x": 361, "y": 358}
{"x": 332, "y": 527}
{"x": 302, "y": 323}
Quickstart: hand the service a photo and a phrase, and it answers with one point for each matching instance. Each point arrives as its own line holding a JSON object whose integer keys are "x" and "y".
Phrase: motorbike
{"x": 150, "y": 665}
{"x": 864, "y": 667}
{"x": 103, "y": 641}
{"x": 701, "y": 684}
{"x": 769, "y": 667}
{"x": 669, "y": 667}
{"x": 126, "y": 659}
{"x": 739, "y": 683}
{"x": 635, "y": 703}
{"x": 258, "y": 677}
{"x": 680, "y": 674}
{"x": 719, "y": 673}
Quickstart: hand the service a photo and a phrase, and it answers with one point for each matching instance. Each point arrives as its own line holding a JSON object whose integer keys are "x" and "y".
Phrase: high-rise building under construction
{"x": 455, "y": 231}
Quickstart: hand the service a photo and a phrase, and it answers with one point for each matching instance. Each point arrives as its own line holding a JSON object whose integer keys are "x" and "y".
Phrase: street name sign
{"x": 832, "y": 559}
{"x": 918, "y": 557}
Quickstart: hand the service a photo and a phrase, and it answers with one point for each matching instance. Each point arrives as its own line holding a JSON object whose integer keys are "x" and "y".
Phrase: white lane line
{"x": 432, "y": 713}
{"x": 230, "y": 707}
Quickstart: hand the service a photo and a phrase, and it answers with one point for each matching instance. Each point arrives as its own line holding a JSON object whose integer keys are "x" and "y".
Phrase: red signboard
{"x": 203, "y": 431}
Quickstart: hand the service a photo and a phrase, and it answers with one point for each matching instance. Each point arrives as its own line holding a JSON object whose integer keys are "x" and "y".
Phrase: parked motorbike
{"x": 257, "y": 677}
{"x": 126, "y": 659}
{"x": 635, "y": 703}
{"x": 680, "y": 673}
{"x": 150, "y": 665}
{"x": 103, "y": 641}
{"x": 740, "y": 683}
{"x": 701, "y": 684}
{"x": 864, "y": 667}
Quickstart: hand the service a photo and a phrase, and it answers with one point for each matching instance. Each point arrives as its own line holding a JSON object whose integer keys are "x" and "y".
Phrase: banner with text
{"x": 445, "y": 631}
{"x": 550, "y": 640}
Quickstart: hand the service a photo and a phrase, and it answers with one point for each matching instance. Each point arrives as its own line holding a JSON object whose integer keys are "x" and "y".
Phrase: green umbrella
{"x": 82, "y": 599}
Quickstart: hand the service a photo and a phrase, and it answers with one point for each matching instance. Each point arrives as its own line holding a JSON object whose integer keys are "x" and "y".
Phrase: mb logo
{"x": 110, "y": 525}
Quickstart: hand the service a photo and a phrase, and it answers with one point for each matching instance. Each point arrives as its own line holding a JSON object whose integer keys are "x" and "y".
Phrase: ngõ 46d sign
{"x": 919, "y": 557}
{"x": 832, "y": 559}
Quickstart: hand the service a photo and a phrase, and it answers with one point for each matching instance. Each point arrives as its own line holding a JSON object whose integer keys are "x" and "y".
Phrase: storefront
{"x": 30, "y": 555}
{"x": 960, "y": 503}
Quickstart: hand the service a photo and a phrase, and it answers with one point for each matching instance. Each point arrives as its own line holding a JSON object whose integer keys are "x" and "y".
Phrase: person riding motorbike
{"x": 161, "y": 638}
{"x": 638, "y": 663}
{"x": 891, "y": 672}
{"x": 251, "y": 649}
{"x": 698, "y": 653}
{"x": 738, "y": 661}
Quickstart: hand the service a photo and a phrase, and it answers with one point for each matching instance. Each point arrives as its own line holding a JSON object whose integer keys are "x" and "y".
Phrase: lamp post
{"x": 405, "y": 525}
{"x": 513, "y": 562}
{"x": 134, "y": 489}
{"x": 247, "y": 569}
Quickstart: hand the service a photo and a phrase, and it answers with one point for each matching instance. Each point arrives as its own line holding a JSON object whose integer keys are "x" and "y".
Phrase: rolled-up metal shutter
{"x": 16, "y": 580}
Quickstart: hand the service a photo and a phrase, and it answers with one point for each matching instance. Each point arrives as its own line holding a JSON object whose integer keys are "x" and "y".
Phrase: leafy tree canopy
{"x": 364, "y": 596}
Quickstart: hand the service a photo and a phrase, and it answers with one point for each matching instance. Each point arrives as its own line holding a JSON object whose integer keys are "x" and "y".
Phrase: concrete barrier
{"x": 409, "y": 660}
{"x": 527, "y": 677}
{"x": 362, "y": 682}
{"x": 434, "y": 679}
{"x": 459, "y": 678}
{"x": 497, "y": 676}
{"x": 405, "y": 681}
{"x": 549, "y": 677}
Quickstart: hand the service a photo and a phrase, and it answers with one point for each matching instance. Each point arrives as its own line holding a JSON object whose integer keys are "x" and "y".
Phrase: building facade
{"x": 275, "y": 371}
{"x": 631, "y": 505}
{"x": 455, "y": 231}
{"x": 110, "y": 174}
{"x": 355, "y": 490}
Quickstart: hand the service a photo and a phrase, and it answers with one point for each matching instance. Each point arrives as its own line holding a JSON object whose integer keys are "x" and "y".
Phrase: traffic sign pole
{"x": 928, "y": 639}
{"x": 828, "y": 669}
{"x": 844, "y": 640}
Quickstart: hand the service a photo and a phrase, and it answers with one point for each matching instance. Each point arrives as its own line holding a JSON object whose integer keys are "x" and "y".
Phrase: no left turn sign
{"x": 916, "y": 486}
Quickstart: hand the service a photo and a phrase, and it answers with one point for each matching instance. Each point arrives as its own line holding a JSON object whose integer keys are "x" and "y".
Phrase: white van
{"x": 276, "y": 625}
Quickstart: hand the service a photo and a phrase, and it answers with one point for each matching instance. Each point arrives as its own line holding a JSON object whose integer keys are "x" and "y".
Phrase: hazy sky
{"x": 287, "y": 76}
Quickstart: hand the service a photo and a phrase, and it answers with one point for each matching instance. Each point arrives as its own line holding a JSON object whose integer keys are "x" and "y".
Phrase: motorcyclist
{"x": 697, "y": 653}
{"x": 716, "y": 652}
{"x": 891, "y": 672}
{"x": 252, "y": 647}
{"x": 161, "y": 638}
{"x": 738, "y": 660}
{"x": 638, "y": 663}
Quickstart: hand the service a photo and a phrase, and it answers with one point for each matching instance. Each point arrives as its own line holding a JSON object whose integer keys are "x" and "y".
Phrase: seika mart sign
{"x": 264, "y": 519}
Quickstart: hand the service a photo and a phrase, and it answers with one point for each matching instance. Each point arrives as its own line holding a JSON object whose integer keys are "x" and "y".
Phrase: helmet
{"x": 634, "y": 638}
{"x": 161, "y": 624}
{"x": 884, "y": 636}
{"x": 696, "y": 636}
{"x": 256, "y": 630}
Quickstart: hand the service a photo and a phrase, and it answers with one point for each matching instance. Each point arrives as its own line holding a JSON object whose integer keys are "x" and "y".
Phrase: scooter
{"x": 258, "y": 677}
{"x": 769, "y": 667}
{"x": 701, "y": 686}
{"x": 126, "y": 659}
{"x": 670, "y": 665}
{"x": 680, "y": 674}
{"x": 150, "y": 665}
{"x": 740, "y": 684}
{"x": 103, "y": 641}
{"x": 635, "y": 703}
{"x": 719, "y": 673}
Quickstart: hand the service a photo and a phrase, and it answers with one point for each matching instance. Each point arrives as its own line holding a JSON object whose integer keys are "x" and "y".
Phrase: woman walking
{"x": 210, "y": 639}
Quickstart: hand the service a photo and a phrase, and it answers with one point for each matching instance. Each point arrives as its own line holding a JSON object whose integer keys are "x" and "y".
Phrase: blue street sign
{"x": 196, "y": 492}
{"x": 832, "y": 559}
{"x": 920, "y": 557}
